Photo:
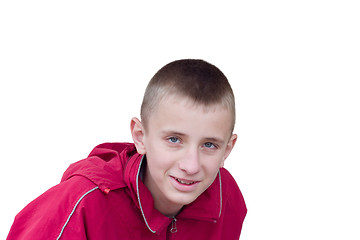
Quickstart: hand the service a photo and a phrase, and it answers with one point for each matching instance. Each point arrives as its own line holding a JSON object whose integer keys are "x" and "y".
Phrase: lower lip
{"x": 183, "y": 187}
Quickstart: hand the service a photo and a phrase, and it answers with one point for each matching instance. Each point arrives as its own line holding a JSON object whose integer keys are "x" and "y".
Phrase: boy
{"x": 169, "y": 184}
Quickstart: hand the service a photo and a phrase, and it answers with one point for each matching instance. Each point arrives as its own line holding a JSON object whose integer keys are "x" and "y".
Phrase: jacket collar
{"x": 207, "y": 207}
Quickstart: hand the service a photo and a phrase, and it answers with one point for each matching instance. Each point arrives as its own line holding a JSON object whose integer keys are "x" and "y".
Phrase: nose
{"x": 190, "y": 162}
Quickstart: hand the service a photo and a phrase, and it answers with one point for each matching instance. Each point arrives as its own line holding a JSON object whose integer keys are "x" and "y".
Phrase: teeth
{"x": 182, "y": 182}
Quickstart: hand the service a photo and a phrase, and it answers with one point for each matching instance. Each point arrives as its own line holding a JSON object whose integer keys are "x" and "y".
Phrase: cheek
{"x": 211, "y": 165}
{"x": 158, "y": 160}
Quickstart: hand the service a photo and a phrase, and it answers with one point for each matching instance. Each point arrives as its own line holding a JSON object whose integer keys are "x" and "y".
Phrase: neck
{"x": 170, "y": 212}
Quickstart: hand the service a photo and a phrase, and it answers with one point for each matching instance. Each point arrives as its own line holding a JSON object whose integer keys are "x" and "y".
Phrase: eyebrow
{"x": 169, "y": 132}
{"x": 216, "y": 140}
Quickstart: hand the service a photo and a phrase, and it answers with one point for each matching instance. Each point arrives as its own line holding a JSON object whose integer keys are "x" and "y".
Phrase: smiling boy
{"x": 169, "y": 184}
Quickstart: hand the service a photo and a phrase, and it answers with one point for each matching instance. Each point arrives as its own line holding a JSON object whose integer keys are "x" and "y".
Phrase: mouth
{"x": 184, "y": 181}
{"x": 184, "y": 185}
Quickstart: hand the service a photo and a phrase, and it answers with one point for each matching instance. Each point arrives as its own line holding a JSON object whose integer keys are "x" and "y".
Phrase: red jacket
{"x": 103, "y": 197}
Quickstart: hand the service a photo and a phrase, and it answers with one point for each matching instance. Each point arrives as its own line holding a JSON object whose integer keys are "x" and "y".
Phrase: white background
{"x": 73, "y": 74}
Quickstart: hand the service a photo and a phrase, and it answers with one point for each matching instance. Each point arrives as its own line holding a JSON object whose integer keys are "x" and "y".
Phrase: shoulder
{"x": 46, "y": 216}
{"x": 68, "y": 193}
{"x": 233, "y": 209}
{"x": 232, "y": 197}
{"x": 228, "y": 180}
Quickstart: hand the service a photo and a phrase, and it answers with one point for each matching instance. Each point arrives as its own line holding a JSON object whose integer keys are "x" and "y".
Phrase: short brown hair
{"x": 198, "y": 80}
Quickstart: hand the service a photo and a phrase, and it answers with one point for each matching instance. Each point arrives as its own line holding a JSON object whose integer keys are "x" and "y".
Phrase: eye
{"x": 173, "y": 140}
{"x": 209, "y": 145}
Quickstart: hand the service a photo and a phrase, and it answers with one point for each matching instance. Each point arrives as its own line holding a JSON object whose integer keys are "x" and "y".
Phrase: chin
{"x": 183, "y": 199}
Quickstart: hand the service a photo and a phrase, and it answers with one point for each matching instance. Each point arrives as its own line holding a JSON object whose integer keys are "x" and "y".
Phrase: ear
{"x": 138, "y": 133}
{"x": 230, "y": 145}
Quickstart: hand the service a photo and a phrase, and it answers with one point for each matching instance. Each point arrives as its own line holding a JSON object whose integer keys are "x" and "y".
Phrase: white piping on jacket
{"x": 138, "y": 195}
{"x": 72, "y": 212}
{"x": 220, "y": 194}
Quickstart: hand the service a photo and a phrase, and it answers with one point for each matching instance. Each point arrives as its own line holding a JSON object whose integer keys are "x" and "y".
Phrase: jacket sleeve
{"x": 54, "y": 213}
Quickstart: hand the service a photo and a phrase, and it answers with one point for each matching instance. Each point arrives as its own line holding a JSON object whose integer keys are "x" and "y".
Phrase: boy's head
{"x": 196, "y": 80}
{"x": 188, "y": 116}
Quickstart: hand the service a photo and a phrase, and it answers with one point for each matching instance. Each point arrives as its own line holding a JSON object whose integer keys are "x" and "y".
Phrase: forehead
{"x": 179, "y": 101}
{"x": 182, "y": 115}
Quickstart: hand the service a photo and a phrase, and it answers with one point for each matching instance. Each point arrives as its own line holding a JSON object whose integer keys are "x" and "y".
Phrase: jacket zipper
{"x": 171, "y": 228}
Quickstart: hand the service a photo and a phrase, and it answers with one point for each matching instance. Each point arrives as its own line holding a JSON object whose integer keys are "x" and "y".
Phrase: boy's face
{"x": 185, "y": 145}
